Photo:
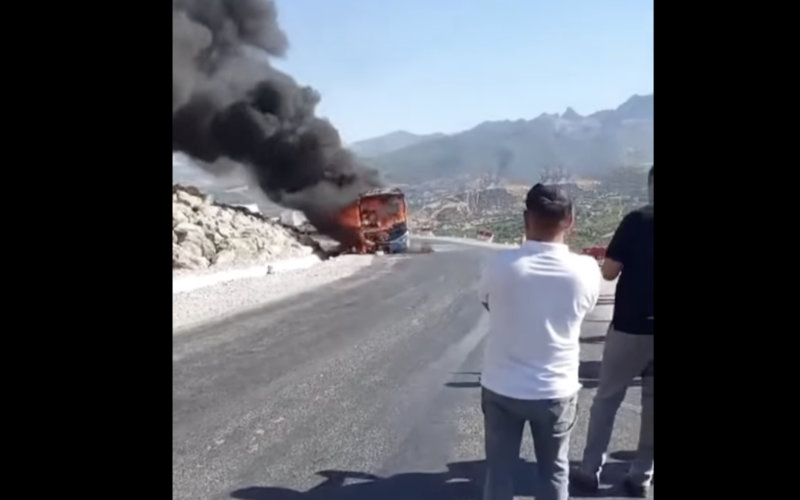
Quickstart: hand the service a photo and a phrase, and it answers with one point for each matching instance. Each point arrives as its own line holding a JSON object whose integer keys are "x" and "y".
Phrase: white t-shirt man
{"x": 538, "y": 296}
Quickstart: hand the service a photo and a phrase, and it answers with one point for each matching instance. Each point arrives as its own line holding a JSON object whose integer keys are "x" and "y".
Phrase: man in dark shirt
{"x": 628, "y": 351}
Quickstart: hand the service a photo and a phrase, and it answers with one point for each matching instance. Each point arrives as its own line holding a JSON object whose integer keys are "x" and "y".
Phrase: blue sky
{"x": 446, "y": 65}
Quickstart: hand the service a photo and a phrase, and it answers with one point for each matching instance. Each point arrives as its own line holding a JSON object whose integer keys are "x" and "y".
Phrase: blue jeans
{"x": 551, "y": 422}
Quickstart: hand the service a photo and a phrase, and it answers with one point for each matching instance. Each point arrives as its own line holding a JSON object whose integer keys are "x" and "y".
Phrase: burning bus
{"x": 377, "y": 221}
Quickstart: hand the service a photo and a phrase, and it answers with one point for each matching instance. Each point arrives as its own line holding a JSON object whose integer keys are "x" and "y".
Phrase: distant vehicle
{"x": 377, "y": 221}
{"x": 485, "y": 235}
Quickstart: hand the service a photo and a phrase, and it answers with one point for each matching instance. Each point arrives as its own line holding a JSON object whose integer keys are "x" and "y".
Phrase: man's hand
{"x": 611, "y": 269}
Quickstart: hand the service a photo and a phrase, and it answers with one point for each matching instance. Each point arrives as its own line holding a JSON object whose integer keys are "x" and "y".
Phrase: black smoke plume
{"x": 504, "y": 158}
{"x": 228, "y": 103}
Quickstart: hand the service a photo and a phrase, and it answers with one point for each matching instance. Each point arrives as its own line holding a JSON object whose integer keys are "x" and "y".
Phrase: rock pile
{"x": 206, "y": 234}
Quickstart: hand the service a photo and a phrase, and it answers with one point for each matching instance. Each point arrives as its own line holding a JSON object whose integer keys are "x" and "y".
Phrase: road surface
{"x": 365, "y": 389}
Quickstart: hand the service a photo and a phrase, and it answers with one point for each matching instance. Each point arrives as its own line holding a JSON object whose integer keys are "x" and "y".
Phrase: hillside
{"x": 599, "y": 206}
{"x": 520, "y": 150}
{"x": 370, "y": 148}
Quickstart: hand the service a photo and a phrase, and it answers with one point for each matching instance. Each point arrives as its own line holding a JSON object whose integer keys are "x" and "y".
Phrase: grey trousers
{"x": 551, "y": 422}
{"x": 625, "y": 357}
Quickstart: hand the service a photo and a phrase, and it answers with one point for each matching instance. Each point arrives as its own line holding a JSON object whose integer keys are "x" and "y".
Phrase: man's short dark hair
{"x": 650, "y": 176}
{"x": 549, "y": 204}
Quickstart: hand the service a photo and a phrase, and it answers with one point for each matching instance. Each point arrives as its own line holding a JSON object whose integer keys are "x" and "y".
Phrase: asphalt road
{"x": 366, "y": 389}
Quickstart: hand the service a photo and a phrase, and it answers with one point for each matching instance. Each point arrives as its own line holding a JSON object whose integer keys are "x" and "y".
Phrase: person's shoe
{"x": 584, "y": 481}
{"x": 635, "y": 490}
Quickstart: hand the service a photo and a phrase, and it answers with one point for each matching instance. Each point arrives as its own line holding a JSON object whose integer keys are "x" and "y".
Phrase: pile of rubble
{"x": 206, "y": 234}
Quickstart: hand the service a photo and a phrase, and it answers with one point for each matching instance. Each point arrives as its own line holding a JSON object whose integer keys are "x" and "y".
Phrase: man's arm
{"x": 591, "y": 281}
{"x": 596, "y": 283}
{"x": 619, "y": 249}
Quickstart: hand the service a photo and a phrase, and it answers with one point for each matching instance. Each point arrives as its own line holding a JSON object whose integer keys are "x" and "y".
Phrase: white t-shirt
{"x": 538, "y": 296}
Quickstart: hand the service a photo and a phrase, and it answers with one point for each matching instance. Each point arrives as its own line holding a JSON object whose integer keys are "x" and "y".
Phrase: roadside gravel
{"x": 195, "y": 307}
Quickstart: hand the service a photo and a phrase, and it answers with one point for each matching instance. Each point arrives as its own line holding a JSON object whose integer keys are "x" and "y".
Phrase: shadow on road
{"x": 595, "y": 339}
{"x": 623, "y": 455}
{"x": 461, "y": 481}
{"x": 465, "y": 384}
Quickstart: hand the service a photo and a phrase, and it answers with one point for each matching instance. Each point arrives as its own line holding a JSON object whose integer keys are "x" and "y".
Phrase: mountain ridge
{"x": 390, "y": 142}
{"x": 521, "y": 149}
